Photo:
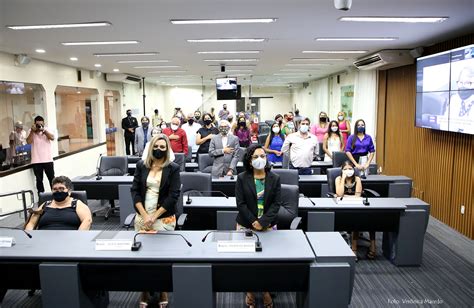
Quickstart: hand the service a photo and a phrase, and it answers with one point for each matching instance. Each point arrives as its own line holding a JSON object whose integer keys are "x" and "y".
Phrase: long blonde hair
{"x": 150, "y": 158}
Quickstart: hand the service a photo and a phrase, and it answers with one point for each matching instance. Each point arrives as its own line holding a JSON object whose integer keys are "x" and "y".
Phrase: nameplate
{"x": 6, "y": 241}
{"x": 235, "y": 246}
{"x": 349, "y": 201}
{"x": 116, "y": 245}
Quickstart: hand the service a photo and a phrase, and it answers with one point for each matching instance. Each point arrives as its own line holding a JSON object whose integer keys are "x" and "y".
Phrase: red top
{"x": 178, "y": 145}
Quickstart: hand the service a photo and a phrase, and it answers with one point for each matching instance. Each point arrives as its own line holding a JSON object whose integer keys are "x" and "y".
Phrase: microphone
{"x": 13, "y": 228}
{"x": 248, "y": 233}
{"x": 98, "y": 177}
{"x": 137, "y": 245}
{"x": 304, "y": 196}
{"x": 366, "y": 200}
{"x": 189, "y": 200}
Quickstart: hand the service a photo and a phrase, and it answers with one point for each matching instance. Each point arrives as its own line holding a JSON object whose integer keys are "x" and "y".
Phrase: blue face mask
{"x": 361, "y": 129}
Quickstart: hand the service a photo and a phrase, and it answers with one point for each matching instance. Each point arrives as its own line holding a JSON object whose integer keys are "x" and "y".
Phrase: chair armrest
{"x": 295, "y": 223}
{"x": 331, "y": 195}
{"x": 373, "y": 192}
{"x": 129, "y": 220}
{"x": 181, "y": 220}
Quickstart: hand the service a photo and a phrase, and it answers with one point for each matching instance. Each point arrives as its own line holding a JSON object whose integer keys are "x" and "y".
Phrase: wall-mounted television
{"x": 445, "y": 91}
{"x": 226, "y": 88}
{"x": 14, "y": 88}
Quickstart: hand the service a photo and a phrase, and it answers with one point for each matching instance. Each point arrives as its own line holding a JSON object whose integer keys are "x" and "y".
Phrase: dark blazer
{"x": 129, "y": 123}
{"x": 246, "y": 197}
{"x": 169, "y": 187}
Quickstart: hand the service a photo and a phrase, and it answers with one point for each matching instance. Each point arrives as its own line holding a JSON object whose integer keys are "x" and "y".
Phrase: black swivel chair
{"x": 133, "y": 159}
{"x": 189, "y": 157}
{"x": 205, "y": 162}
{"x": 338, "y": 158}
{"x": 193, "y": 184}
{"x": 180, "y": 159}
{"x": 333, "y": 173}
{"x": 112, "y": 166}
{"x": 288, "y": 176}
{"x": 262, "y": 138}
{"x": 47, "y": 196}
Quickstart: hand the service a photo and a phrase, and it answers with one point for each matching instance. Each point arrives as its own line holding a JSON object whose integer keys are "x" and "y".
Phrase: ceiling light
{"x": 116, "y": 70}
{"x": 317, "y": 59}
{"x": 395, "y": 19}
{"x": 299, "y": 70}
{"x": 222, "y": 21}
{"x": 61, "y": 26}
{"x": 230, "y": 60}
{"x": 231, "y": 71}
{"x": 335, "y": 51}
{"x": 356, "y": 38}
{"x": 235, "y": 65}
{"x": 157, "y": 66}
{"x": 229, "y": 52}
{"x": 98, "y": 65}
{"x": 179, "y": 76}
{"x": 40, "y": 50}
{"x": 73, "y": 59}
{"x": 307, "y": 64}
{"x": 228, "y": 40}
{"x": 125, "y": 54}
{"x": 143, "y": 61}
{"x": 160, "y": 72}
{"x": 99, "y": 43}
{"x": 290, "y": 74}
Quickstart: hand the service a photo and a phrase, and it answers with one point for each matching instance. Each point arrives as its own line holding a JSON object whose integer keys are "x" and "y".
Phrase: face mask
{"x": 276, "y": 130}
{"x": 224, "y": 130}
{"x": 242, "y": 124}
{"x": 207, "y": 122}
{"x": 291, "y": 125}
{"x": 259, "y": 163}
{"x": 290, "y": 118}
{"x": 464, "y": 94}
{"x": 348, "y": 172}
{"x": 230, "y": 119}
{"x": 197, "y": 117}
{"x": 334, "y": 128}
{"x": 190, "y": 121}
{"x": 129, "y": 114}
{"x": 361, "y": 129}
{"x": 163, "y": 126}
{"x": 158, "y": 154}
{"x": 225, "y": 107}
{"x": 174, "y": 126}
{"x": 60, "y": 196}
{"x": 145, "y": 124}
{"x": 322, "y": 119}
{"x": 304, "y": 128}
{"x": 156, "y": 111}
{"x": 340, "y": 118}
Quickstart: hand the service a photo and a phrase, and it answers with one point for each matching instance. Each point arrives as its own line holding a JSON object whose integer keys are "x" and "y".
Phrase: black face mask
{"x": 197, "y": 117}
{"x": 129, "y": 114}
{"x": 191, "y": 121}
{"x": 158, "y": 154}
{"x": 60, "y": 196}
{"x": 465, "y": 94}
{"x": 323, "y": 120}
{"x": 207, "y": 122}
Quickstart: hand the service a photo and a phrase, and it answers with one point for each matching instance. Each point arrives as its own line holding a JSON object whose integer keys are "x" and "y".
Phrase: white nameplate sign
{"x": 349, "y": 201}
{"x": 113, "y": 245}
{"x": 235, "y": 246}
{"x": 6, "y": 241}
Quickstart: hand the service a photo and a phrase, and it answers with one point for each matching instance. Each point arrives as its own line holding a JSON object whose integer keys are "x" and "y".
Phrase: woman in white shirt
{"x": 333, "y": 141}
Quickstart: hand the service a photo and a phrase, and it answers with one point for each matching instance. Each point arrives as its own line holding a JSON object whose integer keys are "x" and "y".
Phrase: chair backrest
{"x": 332, "y": 174}
{"x": 289, "y": 205}
{"x": 192, "y": 181}
{"x": 180, "y": 159}
{"x": 78, "y": 194}
{"x": 189, "y": 157}
{"x": 288, "y": 176}
{"x": 113, "y": 165}
{"x": 241, "y": 154}
{"x": 133, "y": 159}
{"x": 262, "y": 139}
{"x": 338, "y": 158}
{"x": 321, "y": 151}
{"x": 286, "y": 161}
{"x": 205, "y": 162}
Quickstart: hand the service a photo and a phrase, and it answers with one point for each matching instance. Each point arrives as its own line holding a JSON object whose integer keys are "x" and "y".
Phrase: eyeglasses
{"x": 466, "y": 84}
{"x": 257, "y": 156}
{"x": 161, "y": 147}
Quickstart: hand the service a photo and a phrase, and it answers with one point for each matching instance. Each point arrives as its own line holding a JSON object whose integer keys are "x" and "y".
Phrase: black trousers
{"x": 38, "y": 169}
{"x": 129, "y": 139}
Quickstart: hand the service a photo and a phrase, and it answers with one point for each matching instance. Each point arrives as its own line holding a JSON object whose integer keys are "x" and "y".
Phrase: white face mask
{"x": 340, "y": 118}
{"x": 291, "y": 125}
{"x": 276, "y": 130}
{"x": 259, "y": 163}
{"x": 304, "y": 128}
{"x": 334, "y": 128}
{"x": 348, "y": 172}
{"x": 163, "y": 126}
{"x": 174, "y": 126}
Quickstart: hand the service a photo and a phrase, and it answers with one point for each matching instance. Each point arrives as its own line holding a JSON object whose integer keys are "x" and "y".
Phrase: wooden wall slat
{"x": 441, "y": 164}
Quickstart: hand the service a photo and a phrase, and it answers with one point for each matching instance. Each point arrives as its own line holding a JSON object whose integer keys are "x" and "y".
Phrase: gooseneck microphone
{"x": 13, "y": 228}
{"x": 98, "y": 177}
{"x": 366, "y": 200}
{"x": 312, "y": 202}
{"x": 137, "y": 245}
{"x": 248, "y": 233}
{"x": 189, "y": 200}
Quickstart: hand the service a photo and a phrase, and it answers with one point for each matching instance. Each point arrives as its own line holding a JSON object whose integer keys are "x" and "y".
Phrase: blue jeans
{"x": 302, "y": 171}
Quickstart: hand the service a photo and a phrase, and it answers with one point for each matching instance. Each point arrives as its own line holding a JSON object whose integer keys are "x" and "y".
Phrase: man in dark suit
{"x": 129, "y": 124}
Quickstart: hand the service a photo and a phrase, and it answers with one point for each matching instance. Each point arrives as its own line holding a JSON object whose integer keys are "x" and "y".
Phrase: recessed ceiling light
{"x": 40, "y": 50}
{"x": 143, "y": 61}
{"x": 228, "y": 40}
{"x": 235, "y": 65}
{"x": 221, "y": 21}
{"x": 317, "y": 59}
{"x": 73, "y": 58}
{"x": 160, "y": 72}
{"x": 395, "y": 19}
{"x": 98, "y": 65}
{"x": 335, "y": 51}
{"x": 356, "y": 38}
{"x": 230, "y": 60}
{"x": 157, "y": 66}
{"x": 307, "y": 64}
{"x": 299, "y": 70}
{"x": 61, "y": 26}
{"x": 229, "y": 52}
{"x": 99, "y": 43}
{"x": 116, "y": 70}
{"x": 125, "y": 54}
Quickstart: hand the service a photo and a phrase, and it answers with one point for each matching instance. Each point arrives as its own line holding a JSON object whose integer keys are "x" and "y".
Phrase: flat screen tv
{"x": 226, "y": 88}
{"x": 14, "y": 88}
{"x": 445, "y": 91}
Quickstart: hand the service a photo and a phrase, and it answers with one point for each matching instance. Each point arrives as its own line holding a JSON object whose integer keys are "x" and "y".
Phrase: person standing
{"x": 177, "y": 137}
{"x": 274, "y": 143}
{"x": 224, "y": 113}
{"x": 205, "y": 134}
{"x": 321, "y": 128}
{"x": 298, "y": 118}
{"x": 17, "y": 138}
{"x": 242, "y": 132}
{"x": 197, "y": 117}
{"x": 360, "y": 148}
{"x": 129, "y": 124}
{"x": 344, "y": 125}
{"x": 40, "y": 138}
{"x": 332, "y": 141}
{"x": 156, "y": 119}
{"x": 224, "y": 148}
{"x": 191, "y": 128}
{"x": 142, "y": 136}
{"x": 302, "y": 147}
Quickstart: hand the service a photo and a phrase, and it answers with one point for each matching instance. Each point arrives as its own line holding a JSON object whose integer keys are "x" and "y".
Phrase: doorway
{"x": 112, "y": 117}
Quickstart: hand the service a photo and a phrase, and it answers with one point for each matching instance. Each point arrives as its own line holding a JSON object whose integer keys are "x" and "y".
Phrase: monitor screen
{"x": 445, "y": 91}
{"x": 14, "y": 87}
{"x": 226, "y": 88}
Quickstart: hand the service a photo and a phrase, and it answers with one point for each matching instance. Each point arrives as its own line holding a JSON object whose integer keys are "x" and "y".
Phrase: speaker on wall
{"x": 22, "y": 60}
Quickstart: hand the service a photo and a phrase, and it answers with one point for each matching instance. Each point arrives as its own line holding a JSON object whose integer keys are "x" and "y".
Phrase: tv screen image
{"x": 445, "y": 91}
{"x": 15, "y": 88}
{"x": 226, "y": 88}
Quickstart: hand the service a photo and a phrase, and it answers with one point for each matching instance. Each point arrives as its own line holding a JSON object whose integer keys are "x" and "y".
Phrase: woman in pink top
{"x": 344, "y": 125}
{"x": 321, "y": 128}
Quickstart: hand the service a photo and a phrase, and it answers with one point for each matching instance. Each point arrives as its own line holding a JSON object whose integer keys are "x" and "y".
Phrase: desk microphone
{"x": 189, "y": 200}
{"x": 366, "y": 200}
{"x": 137, "y": 245}
{"x": 13, "y": 228}
{"x": 304, "y": 196}
{"x": 98, "y": 177}
{"x": 248, "y": 233}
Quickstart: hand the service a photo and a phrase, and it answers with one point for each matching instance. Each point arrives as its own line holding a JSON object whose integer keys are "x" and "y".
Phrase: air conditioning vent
{"x": 385, "y": 59}
{"x": 124, "y": 78}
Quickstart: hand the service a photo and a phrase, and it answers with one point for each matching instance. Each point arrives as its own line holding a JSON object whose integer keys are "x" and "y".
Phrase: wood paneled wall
{"x": 441, "y": 164}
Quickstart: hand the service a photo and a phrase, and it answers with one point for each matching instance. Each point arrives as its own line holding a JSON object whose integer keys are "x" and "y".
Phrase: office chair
{"x": 78, "y": 194}
{"x": 241, "y": 154}
{"x": 189, "y": 157}
{"x": 288, "y": 176}
{"x": 321, "y": 153}
{"x": 180, "y": 159}
{"x": 198, "y": 183}
{"x": 262, "y": 139}
{"x": 205, "y": 162}
{"x": 133, "y": 159}
{"x": 338, "y": 158}
{"x": 112, "y": 166}
{"x": 286, "y": 161}
{"x": 333, "y": 173}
